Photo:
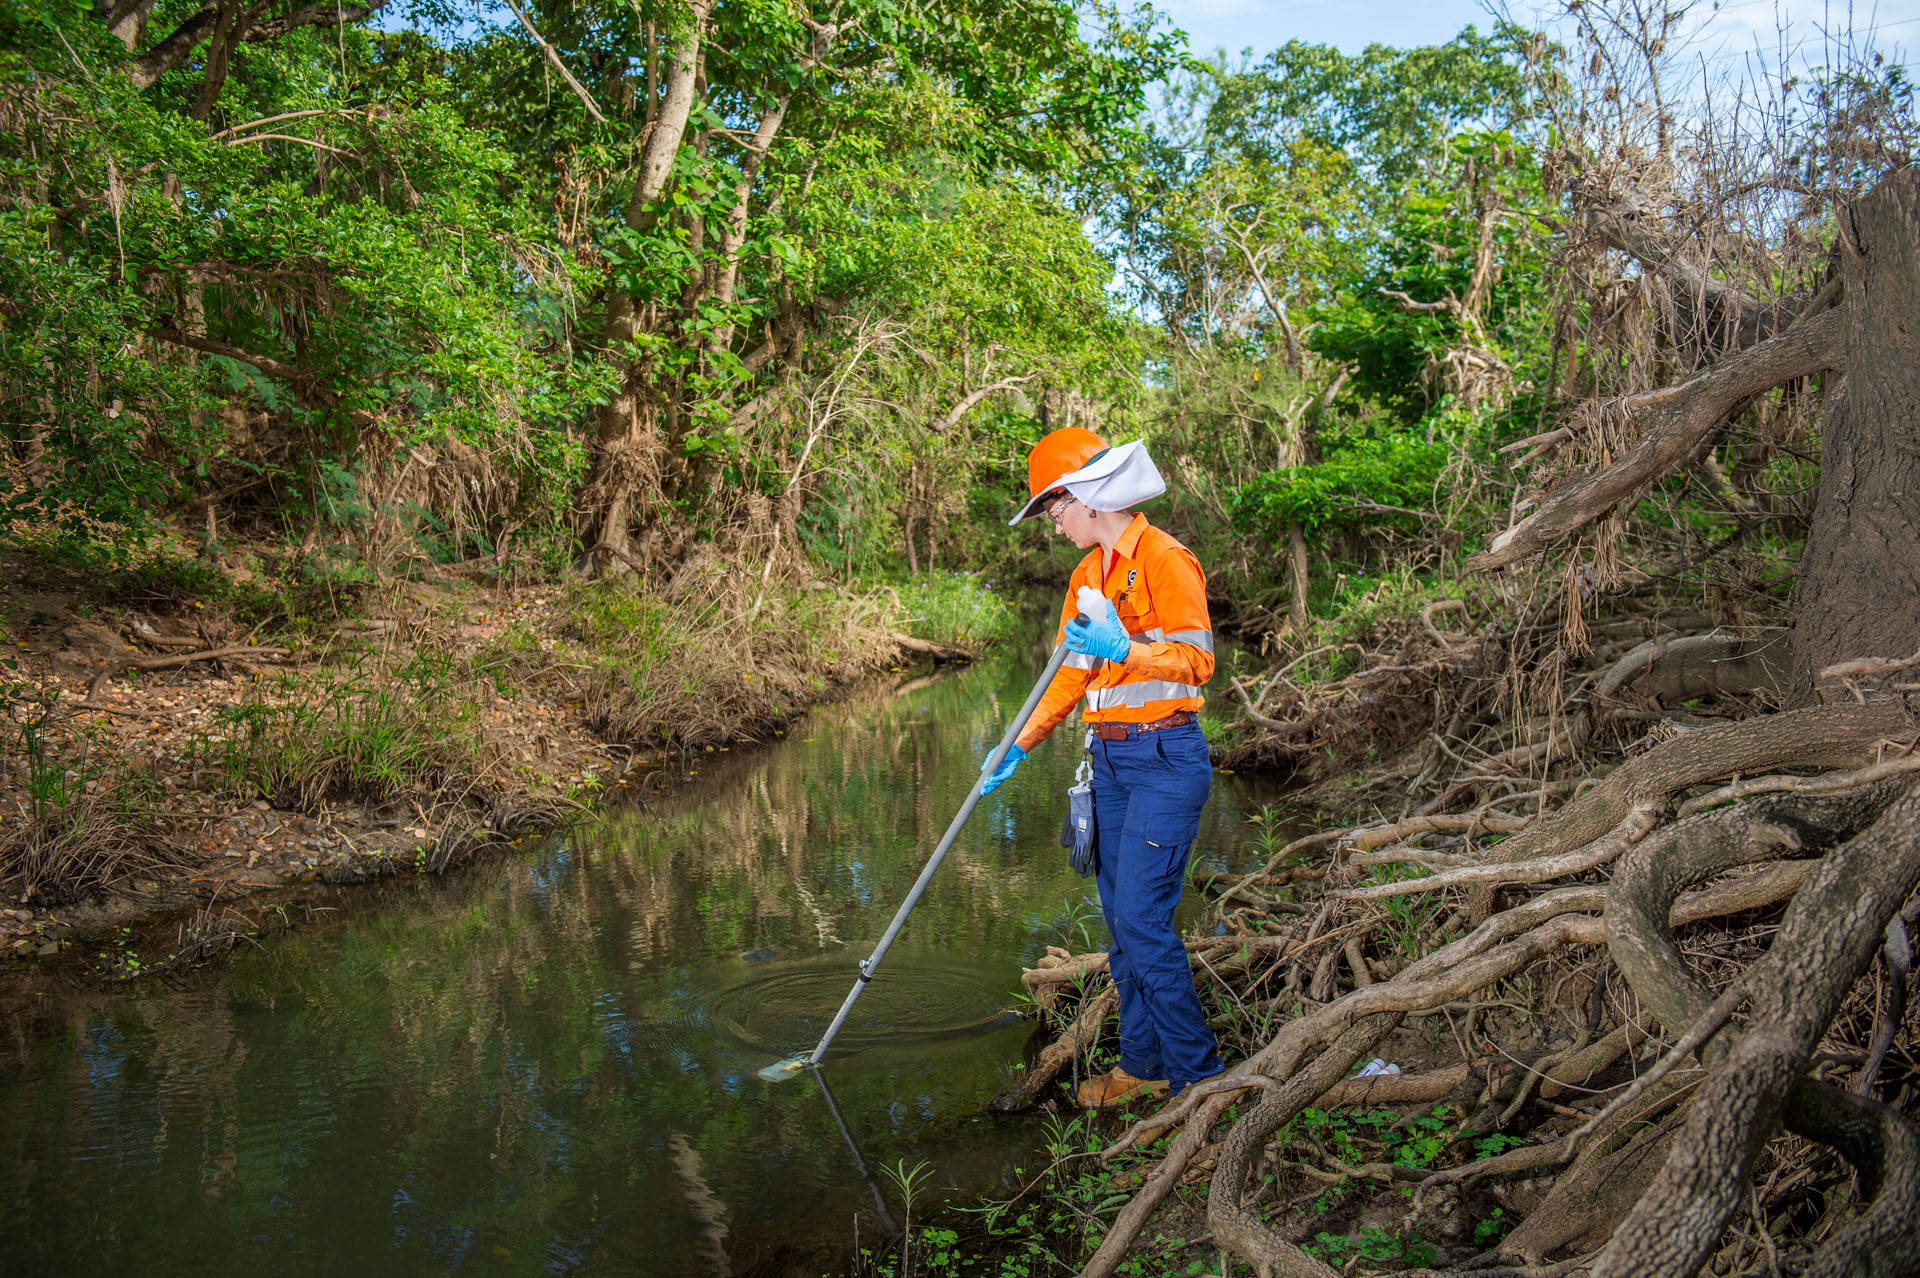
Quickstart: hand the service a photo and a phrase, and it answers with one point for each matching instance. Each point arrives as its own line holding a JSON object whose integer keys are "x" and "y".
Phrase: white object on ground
{"x": 1376, "y": 1067}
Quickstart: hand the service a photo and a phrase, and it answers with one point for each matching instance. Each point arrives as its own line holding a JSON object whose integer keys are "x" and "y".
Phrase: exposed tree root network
{"x": 1679, "y": 1001}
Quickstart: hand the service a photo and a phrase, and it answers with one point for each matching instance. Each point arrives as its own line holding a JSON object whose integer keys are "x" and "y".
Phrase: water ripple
{"x": 780, "y": 1006}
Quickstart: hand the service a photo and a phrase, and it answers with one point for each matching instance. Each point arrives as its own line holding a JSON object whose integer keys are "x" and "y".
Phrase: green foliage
{"x": 1497, "y": 1143}
{"x": 906, "y": 220}
{"x": 1079, "y": 927}
{"x": 149, "y": 572}
{"x": 357, "y": 271}
{"x": 1312, "y": 250}
{"x": 1358, "y": 477}
{"x": 1408, "y": 916}
{"x": 1362, "y": 1136}
{"x": 959, "y": 608}
{"x": 697, "y": 671}
{"x": 381, "y": 279}
{"x": 1426, "y": 257}
{"x": 1393, "y": 110}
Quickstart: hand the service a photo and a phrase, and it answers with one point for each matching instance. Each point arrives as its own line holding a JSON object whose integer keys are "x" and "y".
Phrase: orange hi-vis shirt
{"x": 1160, "y": 592}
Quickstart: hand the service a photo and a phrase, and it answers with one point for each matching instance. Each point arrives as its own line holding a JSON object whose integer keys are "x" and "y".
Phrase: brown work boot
{"x": 1116, "y": 1085}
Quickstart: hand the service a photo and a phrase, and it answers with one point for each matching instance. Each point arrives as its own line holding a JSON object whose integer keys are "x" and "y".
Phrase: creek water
{"x": 549, "y": 1063}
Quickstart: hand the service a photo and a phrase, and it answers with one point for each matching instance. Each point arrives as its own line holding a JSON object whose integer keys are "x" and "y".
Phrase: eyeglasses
{"x": 1057, "y": 507}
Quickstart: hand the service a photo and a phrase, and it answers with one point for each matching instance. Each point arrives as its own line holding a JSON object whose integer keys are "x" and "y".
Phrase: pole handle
{"x": 872, "y": 962}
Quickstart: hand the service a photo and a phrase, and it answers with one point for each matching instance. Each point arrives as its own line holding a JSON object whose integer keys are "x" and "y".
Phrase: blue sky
{"x": 1728, "y": 32}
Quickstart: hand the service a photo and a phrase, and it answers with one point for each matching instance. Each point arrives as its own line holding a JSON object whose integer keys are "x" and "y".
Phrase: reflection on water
{"x": 550, "y": 1065}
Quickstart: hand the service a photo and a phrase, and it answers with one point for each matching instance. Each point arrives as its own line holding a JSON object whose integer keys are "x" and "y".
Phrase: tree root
{"x": 1897, "y": 954}
{"x": 1055, "y": 1057}
{"x": 1233, "y": 1225}
{"x": 1880, "y": 771}
{"x": 1714, "y": 861}
{"x": 1601, "y": 1187}
{"x": 1820, "y": 736}
{"x": 1646, "y": 883}
{"x": 1884, "y": 1147}
{"x": 1637, "y": 824}
{"x": 1057, "y": 970}
{"x": 1826, "y": 940}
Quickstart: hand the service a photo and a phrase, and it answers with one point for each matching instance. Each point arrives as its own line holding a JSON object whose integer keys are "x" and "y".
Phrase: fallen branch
{"x": 1677, "y": 424}
{"x": 928, "y": 648}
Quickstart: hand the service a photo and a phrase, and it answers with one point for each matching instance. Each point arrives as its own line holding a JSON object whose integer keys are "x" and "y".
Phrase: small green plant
{"x": 50, "y": 783}
{"x": 86, "y": 826}
{"x": 1372, "y": 1243}
{"x": 353, "y": 733}
{"x": 1408, "y": 916}
{"x": 123, "y": 961}
{"x": 1425, "y": 1140}
{"x": 1360, "y": 1136}
{"x": 909, "y": 1181}
{"x": 1273, "y": 830}
{"x": 1078, "y": 924}
{"x": 1496, "y": 1143}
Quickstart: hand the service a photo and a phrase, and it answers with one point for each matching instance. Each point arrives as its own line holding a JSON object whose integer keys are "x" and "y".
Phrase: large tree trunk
{"x": 1859, "y": 588}
{"x": 626, "y": 445}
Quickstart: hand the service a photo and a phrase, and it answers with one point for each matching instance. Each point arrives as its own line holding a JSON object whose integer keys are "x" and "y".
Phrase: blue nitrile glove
{"x": 1005, "y": 770}
{"x": 1102, "y": 636}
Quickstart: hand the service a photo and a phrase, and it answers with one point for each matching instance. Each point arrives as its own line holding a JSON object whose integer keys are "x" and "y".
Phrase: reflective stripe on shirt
{"x": 1139, "y": 694}
{"x": 1202, "y": 639}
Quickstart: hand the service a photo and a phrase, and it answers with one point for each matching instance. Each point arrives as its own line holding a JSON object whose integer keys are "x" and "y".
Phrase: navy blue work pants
{"x": 1148, "y": 789}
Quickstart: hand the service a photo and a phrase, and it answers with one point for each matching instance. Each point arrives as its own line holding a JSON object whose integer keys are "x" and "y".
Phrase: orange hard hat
{"x": 1058, "y": 453}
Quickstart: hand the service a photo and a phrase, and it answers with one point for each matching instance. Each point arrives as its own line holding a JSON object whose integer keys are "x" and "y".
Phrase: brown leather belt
{"x": 1121, "y": 731}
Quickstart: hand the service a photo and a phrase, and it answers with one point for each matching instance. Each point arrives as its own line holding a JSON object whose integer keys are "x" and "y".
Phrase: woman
{"x": 1139, "y": 663}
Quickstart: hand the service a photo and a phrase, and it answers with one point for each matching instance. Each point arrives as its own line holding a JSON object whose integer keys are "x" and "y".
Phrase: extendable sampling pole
{"x": 872, "y": 962}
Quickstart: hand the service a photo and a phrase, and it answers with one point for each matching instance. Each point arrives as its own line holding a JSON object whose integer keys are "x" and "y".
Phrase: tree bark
{"x": 625, "y": 436}
{"x": 1297, "y": 574}
{"x": 127, "y": 21}
{"x": 1859, "y": 588}
{"x": 735, "y": 237}
{"x": 1827, "y": 938}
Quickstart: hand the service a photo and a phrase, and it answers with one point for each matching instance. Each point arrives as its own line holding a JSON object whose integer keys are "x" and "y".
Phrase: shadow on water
{"x": 550, "y": 1065}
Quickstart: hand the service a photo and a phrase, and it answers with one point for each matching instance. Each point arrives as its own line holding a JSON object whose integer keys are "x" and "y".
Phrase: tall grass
{"x": 359, "y": 733}
{"x": 959, "y": 608}
{"x": 702, "y": 670}
{"x": 84, "y": 828}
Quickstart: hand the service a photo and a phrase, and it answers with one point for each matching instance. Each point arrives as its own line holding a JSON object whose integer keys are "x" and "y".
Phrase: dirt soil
{"x": 65, "y": 662}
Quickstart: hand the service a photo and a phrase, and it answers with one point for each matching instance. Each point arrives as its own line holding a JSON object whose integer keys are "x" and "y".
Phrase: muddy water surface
{"x": 550, "y": 1064}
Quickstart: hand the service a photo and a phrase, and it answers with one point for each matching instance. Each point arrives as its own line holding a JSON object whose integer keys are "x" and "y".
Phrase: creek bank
{"x": 165, "y": 763}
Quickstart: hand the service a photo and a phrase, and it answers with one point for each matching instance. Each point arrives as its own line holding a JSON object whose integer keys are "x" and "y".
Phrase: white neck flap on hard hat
{"x": 1117, "y": 479}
